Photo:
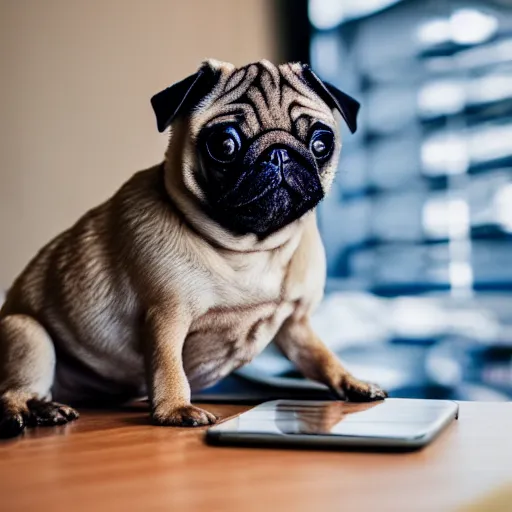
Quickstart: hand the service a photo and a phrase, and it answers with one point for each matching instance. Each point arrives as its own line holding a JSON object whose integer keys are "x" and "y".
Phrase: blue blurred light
{"x": 325, "y": 14}
{"x": 471, "y": 26}
{"x": 328, "y": 14}
{"x": 465, "y": 26}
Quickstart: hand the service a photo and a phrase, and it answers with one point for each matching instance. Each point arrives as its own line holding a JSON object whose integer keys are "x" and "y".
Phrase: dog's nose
{"x": 278, "y": 157}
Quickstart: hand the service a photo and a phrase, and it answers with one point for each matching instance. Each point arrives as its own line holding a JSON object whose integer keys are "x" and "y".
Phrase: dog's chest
{"x": 246, "y": 308}
{"x": 225, "y": 339}
{"x": 244, "y": 305}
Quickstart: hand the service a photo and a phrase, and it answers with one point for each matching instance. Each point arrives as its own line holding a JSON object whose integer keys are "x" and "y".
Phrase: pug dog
{"x": 194, "y": 265}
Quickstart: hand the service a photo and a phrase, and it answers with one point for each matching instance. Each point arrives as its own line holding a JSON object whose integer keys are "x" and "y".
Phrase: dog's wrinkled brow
{"x": 261, "y": 97}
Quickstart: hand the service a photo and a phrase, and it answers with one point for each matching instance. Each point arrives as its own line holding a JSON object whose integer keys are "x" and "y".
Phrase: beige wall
{"x": 76, "y": 79}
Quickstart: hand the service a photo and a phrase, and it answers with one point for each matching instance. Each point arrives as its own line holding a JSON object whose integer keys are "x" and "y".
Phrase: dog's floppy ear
{"x": 182, "y": 96}
{"x": 347, "y": 106}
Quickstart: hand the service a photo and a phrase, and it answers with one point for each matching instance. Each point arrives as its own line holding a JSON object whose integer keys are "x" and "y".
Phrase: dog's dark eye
{"x": 223, "y": 145}
{"x": 321, "y": 143}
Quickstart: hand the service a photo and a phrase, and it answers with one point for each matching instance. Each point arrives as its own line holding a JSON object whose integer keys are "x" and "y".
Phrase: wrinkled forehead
{"x": 261, "y": 97}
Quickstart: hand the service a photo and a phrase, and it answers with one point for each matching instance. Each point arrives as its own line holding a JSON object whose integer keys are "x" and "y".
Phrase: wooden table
{"x": 116, "y": 461}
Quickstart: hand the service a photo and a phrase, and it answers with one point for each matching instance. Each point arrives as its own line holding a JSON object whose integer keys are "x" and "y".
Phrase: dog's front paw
{"x": 183, "y": 416}
{"x": 356, "y": 390}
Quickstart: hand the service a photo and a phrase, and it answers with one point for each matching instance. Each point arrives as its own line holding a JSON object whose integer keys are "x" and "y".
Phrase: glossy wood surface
{"x": 114, "y": 460}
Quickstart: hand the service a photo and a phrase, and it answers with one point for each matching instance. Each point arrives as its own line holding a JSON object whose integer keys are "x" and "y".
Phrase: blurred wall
{"x": 76, "y": 79}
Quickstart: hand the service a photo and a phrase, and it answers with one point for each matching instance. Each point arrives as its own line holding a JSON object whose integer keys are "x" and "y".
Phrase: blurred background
{"x": 417, "y": 227}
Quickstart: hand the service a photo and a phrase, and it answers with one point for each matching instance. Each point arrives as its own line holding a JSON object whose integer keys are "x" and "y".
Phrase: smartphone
{"x": 392, "y": 424}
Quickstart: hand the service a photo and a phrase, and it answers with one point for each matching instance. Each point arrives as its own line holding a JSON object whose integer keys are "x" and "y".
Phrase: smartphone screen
{"x": 400, "y": 423}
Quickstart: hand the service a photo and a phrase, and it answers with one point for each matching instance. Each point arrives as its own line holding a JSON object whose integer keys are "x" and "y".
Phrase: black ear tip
{"x": 156, "y": 103}
{"x": 180, "y": 97}
{"x": 348, "y": 106}
{"x": 352, "y": 120}
{"x": 352, "y": 123}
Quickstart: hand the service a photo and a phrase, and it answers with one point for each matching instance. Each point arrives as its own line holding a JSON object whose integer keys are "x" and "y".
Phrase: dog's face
{"x": 263, "y": 143}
